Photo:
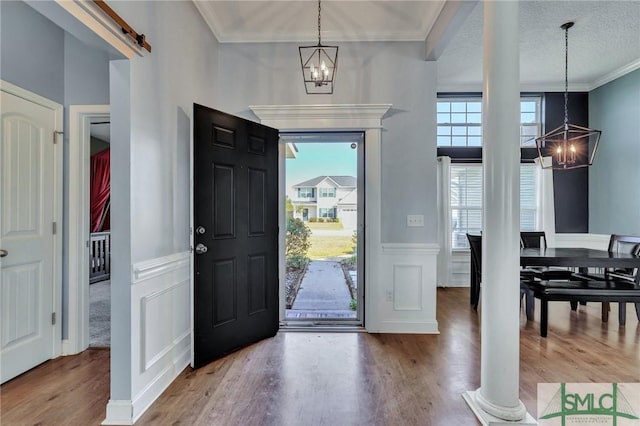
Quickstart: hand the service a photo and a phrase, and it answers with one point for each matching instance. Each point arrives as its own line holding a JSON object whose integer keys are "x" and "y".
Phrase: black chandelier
{"x": 319, "y": 65}
{"x": 570, "y": 146}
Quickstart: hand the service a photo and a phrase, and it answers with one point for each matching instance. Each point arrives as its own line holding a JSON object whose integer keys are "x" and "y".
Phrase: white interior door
{"x": 28, "y": 209}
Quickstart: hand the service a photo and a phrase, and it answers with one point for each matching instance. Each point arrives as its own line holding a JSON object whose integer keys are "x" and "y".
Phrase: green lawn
{"x": 323, "y": 246}
{"x": 331, "y": 226}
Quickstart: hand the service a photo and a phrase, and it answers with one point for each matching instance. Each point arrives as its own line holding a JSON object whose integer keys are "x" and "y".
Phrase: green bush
{"x": 353, "y": 304}
{"x": 298, "y": 242}
{"x": 313, "y": 219}
{"x": 354, "y": 240}
{"x": 320, "y": 220}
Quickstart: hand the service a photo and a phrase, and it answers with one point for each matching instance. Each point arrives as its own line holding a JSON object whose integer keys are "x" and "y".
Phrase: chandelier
{"x": 570, "y": 146}
{"x": 319, "y": 65}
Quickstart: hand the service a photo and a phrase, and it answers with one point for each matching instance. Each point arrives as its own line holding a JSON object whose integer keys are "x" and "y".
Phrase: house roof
{"x": 340, "y": 181}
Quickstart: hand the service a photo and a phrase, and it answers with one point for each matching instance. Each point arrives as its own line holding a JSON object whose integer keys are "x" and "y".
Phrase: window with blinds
{"x": 466, "y": 201}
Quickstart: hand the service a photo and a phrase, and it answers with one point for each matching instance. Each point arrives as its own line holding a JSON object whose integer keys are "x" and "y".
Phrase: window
{"x": 327, "y": 213}
{"x": 460, "y": 121}
{"x": 327, "y": 192}
{"x": 466, "y": 201}
{"x": 305, "y": 192}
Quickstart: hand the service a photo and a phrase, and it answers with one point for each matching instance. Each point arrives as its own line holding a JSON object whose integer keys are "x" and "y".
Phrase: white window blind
{"x": 466, "y": 201}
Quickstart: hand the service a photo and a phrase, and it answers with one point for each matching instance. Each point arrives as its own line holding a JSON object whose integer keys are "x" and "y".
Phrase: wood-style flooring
{"x": 313, "y": 378}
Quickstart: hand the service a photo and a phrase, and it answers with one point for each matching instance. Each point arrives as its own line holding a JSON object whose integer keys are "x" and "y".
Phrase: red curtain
{"x": 100, "y": 189}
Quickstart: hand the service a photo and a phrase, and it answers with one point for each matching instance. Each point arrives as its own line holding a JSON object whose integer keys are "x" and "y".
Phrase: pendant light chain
{"x": 319, "y": 37}
{"x": 566, "y": 78}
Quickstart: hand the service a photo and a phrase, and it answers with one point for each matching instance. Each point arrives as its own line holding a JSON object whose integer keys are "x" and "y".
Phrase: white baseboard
{"x": 119, "y": 412}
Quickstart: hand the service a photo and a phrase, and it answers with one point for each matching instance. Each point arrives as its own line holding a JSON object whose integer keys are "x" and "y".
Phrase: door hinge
{"x": 53, "y": 318}
{"x": 55, "y": 136}
{"x": 54, "y": 228}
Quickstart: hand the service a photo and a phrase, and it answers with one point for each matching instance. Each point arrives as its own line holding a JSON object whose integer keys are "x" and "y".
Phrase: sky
{"x": 319, "y": 159}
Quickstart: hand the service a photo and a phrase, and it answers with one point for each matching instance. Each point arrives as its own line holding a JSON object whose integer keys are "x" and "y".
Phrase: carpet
{"x": 100, "y": 314}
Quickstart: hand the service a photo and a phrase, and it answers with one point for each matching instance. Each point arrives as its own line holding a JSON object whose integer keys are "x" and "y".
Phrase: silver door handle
{"x": 3, "y": 253}
{"x": 201, "y": 248}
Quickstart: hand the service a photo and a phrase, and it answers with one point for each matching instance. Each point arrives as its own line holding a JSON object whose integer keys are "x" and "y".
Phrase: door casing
{"x": 80, "y": 117}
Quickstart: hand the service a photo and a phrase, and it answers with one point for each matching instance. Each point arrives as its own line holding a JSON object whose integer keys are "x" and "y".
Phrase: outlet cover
{"x": 415, "y": 221}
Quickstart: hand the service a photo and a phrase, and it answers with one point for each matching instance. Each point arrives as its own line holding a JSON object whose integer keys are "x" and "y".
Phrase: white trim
{"x": 80, "y": 117}
{"x": 615, "y": 74}
{"x": 487, "y": 419}
{"x": 153, "y": 268}
{"x": 57, "y": 203}
{"x": 431, "y": 249}
{"x": 102, "y": 25}
{"x": 321, "y": 117}
{"x": 367, "y": 118}
{"x": 119, "y": 412}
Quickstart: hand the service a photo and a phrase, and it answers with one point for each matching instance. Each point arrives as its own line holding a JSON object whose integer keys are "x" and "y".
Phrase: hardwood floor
{"x": 313, "y": 378}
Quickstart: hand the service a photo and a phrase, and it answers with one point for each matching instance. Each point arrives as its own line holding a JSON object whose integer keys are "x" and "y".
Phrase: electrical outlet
{"x": 415, "y": 221}
{"x": 389, "y": 296}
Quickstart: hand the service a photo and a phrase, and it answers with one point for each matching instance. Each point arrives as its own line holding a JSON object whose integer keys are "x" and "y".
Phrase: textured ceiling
{"x": 604, "y": 43}
{"x": 605, "y": 39}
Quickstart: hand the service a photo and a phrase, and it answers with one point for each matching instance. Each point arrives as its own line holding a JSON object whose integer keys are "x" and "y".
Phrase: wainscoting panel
{"x": 407, "y": 282}
{"x": 161, "y": 326}
{"x": 407, "y": 287}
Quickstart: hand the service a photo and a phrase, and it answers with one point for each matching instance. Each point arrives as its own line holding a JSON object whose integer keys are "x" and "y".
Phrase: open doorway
{"x": 99, "y": 278}
{"x": 325, "y": 211}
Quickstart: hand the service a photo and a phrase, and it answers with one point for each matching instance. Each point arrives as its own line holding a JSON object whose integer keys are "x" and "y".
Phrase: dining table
{"x": 570, "y": 257}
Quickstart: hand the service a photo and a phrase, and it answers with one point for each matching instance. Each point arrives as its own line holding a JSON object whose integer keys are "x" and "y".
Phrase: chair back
{"x": 475, "y": 243}
{"x": 624, "y": 244}
{"x": 533, "y": 239}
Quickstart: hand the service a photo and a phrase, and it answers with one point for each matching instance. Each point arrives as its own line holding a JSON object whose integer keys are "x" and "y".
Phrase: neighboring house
{"x": 326, "y": 197}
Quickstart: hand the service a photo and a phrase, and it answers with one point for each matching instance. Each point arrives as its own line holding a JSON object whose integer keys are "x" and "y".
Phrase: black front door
{"x": 235, "y": 233}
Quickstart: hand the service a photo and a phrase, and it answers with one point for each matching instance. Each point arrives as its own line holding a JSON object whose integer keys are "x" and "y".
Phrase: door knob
{"x": 3, "y": 253}
{"x": 200, "y": 230}
{"x": 201, "y": 248}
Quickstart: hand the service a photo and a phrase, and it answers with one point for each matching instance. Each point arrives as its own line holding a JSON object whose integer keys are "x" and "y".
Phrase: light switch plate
{"x": 415, "y": 221}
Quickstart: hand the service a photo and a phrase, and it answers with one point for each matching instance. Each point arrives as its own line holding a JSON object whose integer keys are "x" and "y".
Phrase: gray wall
{"x": 180, "y": 70}
{"x": 394, "y": 73}
{"x": 614, "y": 179}
{"x": 31, "y": 49}
{"x": 152, "y": 104}
{"x": 39, "y": 56}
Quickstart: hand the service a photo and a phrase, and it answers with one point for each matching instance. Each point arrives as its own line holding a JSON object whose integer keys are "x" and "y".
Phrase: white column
{"x": 497, "y": 399}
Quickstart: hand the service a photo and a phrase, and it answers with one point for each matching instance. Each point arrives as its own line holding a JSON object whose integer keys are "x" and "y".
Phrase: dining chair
{"x": 475, "y": 244}
{"x": 538, "y": 239}
{"x": 619, "y": 244}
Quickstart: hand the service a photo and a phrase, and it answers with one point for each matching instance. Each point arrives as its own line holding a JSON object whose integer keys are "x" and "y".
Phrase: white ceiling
{"x": 604, "y": 43}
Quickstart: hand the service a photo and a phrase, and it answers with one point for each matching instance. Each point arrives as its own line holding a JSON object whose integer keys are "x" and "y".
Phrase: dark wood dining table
{"x": 572, "y": 257}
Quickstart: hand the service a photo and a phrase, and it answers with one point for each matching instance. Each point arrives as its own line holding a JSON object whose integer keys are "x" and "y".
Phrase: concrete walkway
{"x": 323, "y": 288}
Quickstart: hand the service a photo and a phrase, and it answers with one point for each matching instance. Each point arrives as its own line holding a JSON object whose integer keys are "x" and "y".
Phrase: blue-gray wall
{"x": 614, "y": 179}
{"x": 31, "y": 49}
{"x": 376, "y": 73}
{"x": 39, "y": 56}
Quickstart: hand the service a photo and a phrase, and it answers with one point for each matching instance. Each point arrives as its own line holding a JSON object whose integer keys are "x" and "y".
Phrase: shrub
{"x": 354, "y": 240}
{"x": 320, "y": 220}
{"x": 298, "y": 242}
{"x": 353, "y": 304}
{"x": 313, "y": 219}
{"x": 336, "y": 220}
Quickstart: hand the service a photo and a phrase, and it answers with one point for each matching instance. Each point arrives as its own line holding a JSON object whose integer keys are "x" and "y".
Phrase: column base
{"x": 487, "y": 419}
